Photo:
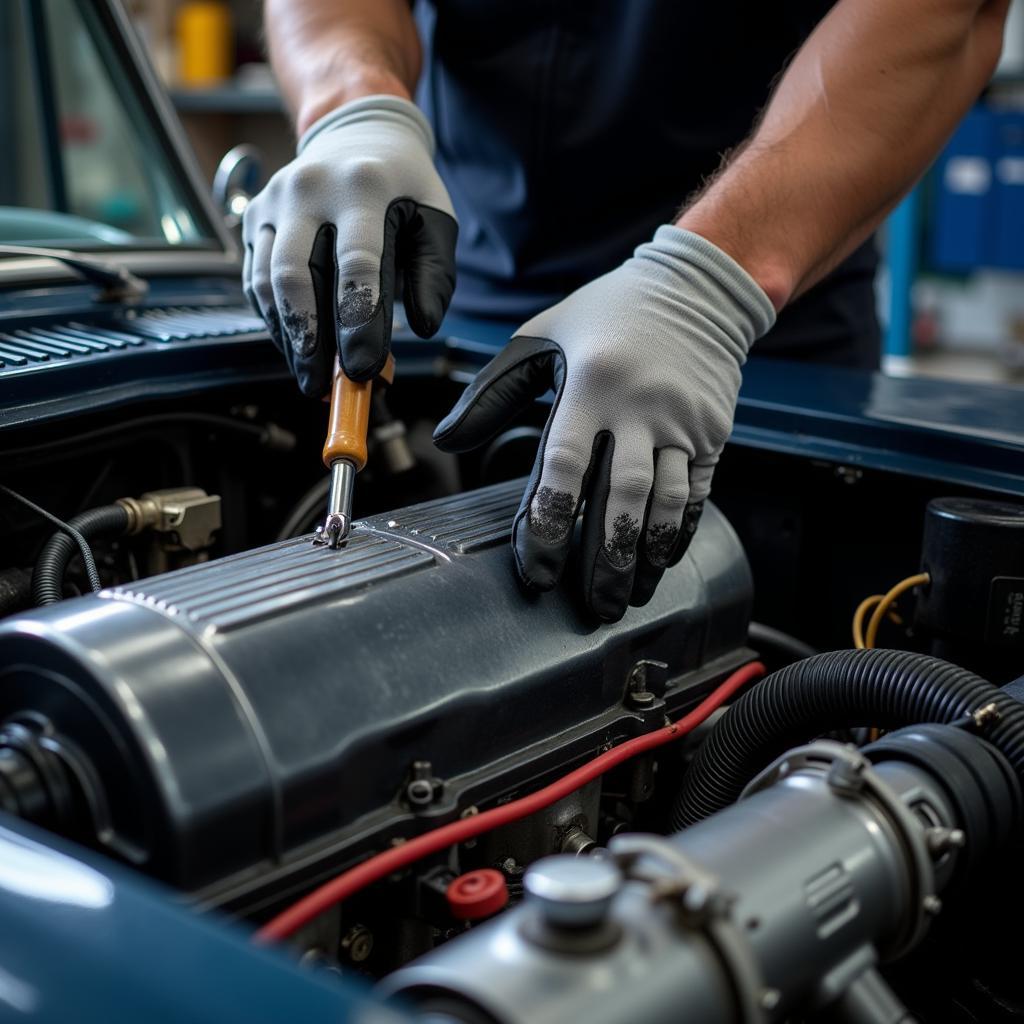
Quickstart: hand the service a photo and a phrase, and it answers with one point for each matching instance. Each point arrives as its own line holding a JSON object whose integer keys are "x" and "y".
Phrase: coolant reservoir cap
{"x": 573, "y": 892}
{"x": 477, "y": 894}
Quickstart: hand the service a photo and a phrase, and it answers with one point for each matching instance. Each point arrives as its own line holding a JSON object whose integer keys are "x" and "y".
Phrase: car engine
{"x": 404, "y": 767}
{"x": 313, "y": 672}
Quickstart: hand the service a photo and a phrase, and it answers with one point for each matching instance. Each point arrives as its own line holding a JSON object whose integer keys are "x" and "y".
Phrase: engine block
{"x": 257, "y": 721}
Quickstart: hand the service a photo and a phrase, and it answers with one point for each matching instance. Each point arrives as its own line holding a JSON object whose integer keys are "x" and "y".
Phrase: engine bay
{"x": 395, "y": 764}
{"x": 249, "y": 778}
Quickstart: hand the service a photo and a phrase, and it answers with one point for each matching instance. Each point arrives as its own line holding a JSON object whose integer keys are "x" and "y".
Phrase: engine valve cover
{"x": 247, "y": 716}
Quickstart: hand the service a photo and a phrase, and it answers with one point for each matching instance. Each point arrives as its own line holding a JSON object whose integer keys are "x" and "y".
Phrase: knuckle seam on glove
{"x": 632, "y": 485}
{"x": 670, "y": 497}
{"x": 564, "y": 457}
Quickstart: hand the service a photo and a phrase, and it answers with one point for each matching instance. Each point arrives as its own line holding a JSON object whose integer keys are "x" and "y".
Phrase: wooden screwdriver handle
{"x": 350, "y": 415}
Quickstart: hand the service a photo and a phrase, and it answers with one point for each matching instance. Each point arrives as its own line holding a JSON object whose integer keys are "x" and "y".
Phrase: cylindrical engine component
{"x": 780, "y": 905}
{"x": 231, "y": 722}
{"x": 840, "y": 689}
{"x": 973, "y": 609}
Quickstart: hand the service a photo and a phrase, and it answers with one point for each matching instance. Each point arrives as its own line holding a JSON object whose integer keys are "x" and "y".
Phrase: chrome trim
{"x": 16, "y": 271}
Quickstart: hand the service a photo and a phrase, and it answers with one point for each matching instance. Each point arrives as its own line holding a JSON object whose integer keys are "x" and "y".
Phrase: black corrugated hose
{"x": 53, "y": 560}
{"x": 837, "y": 690}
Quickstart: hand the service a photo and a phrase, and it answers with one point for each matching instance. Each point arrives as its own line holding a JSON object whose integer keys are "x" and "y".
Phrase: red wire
{"x": 383, "y": 864}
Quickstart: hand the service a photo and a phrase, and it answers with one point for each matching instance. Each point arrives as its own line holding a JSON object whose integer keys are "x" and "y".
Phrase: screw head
{"x": 358, "y": 943}
{"x": 420, "y": 792}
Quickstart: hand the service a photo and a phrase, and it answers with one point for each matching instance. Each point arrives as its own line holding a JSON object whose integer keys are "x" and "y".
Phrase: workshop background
{"x": 950, "y": 293}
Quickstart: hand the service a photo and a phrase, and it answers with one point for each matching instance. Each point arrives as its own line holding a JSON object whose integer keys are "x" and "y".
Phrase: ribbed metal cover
{"x": 255, "y": 720}
{"x": 73, "y": 340}
{"x": 462, "y": 524}
{"x": 235, "y": 591}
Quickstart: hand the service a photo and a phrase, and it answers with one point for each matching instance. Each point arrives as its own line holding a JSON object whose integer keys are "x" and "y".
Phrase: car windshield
{"x": 86, "y": 164}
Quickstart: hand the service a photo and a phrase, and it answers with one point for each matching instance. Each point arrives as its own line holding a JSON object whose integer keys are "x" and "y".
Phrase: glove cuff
{"x": 378, "y": 110}
{"x": 752, "y": 307}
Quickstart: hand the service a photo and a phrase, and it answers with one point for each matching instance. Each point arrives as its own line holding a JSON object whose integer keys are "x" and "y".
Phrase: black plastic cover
{"x": 973, "y": 608}
{"x": 237, "y": 711}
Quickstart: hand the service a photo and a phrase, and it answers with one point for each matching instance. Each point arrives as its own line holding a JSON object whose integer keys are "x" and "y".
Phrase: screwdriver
{"x": 345, "y": 448}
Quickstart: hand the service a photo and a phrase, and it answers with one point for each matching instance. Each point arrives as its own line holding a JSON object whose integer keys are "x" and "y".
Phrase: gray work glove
{"x": 326, "y": 237}
{"x": 645, "y": 364}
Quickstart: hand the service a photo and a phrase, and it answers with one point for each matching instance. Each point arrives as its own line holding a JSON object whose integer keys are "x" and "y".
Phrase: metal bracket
{"x": 703, "y": 907}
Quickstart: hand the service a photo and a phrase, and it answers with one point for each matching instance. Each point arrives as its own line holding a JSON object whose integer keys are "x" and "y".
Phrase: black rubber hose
{"x": 54, "y": 559}
{"x": 840, "y": 689}
{"x": 768, "y": 640}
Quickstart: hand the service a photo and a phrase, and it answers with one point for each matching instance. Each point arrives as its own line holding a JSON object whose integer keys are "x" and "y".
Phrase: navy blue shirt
{"x": 568, "y": 130}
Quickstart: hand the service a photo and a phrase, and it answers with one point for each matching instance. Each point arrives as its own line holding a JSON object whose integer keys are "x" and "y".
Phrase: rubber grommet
{"x": 477, "y": 894}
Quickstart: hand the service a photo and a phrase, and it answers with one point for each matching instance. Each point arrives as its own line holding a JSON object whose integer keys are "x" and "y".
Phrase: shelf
{"x": 227, "y": 99}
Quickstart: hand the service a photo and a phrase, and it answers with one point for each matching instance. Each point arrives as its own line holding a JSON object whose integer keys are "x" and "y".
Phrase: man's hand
{"x": 645, "y": 364}
{"x": 325, "y": 239}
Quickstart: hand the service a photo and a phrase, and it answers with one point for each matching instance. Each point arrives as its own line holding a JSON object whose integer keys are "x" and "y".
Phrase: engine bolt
{"x": 419, "y": 792}
{"x": 422, "y": 787}
{"x": 941, "y": 840}
{"x": 577, "y": 842}
{"x": 358, "y": 943}
{"x": 638, "y": 695}
{"x": 641, "y": 699}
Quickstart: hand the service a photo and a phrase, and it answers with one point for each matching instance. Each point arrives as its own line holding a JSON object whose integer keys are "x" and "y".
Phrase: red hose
{"x": 394, "y": 859}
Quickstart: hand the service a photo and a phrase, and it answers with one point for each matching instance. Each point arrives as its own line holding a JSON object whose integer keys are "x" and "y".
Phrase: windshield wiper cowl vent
{"x": 66, "y": 340}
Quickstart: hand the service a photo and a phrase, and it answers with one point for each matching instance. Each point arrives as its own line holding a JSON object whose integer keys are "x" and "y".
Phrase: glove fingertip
{"x": 610, "y": 587}
{"x": 425, "y": 317}
{"x": 646, "y": 583}
{"x": 312, "y": 383}
{"x": 691, "y": 520}
{"x": 450, "y": 434}
{"x": 363, "y": 350}
{"x": 539, "y": 561}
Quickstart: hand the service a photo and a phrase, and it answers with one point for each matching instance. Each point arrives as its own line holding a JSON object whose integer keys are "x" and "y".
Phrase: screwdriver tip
{"x": 334, "y": 531}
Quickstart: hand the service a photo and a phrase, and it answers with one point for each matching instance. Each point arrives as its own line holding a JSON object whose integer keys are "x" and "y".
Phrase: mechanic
{"x": 566, "y": 136}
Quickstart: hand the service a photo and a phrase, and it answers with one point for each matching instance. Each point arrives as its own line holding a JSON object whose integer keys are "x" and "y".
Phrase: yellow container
{"x": 205, "y": 44}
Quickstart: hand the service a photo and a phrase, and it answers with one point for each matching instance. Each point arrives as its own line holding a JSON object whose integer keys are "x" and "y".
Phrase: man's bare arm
{"x": 327, "y": 52}
{"x": 861, "y": 111}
